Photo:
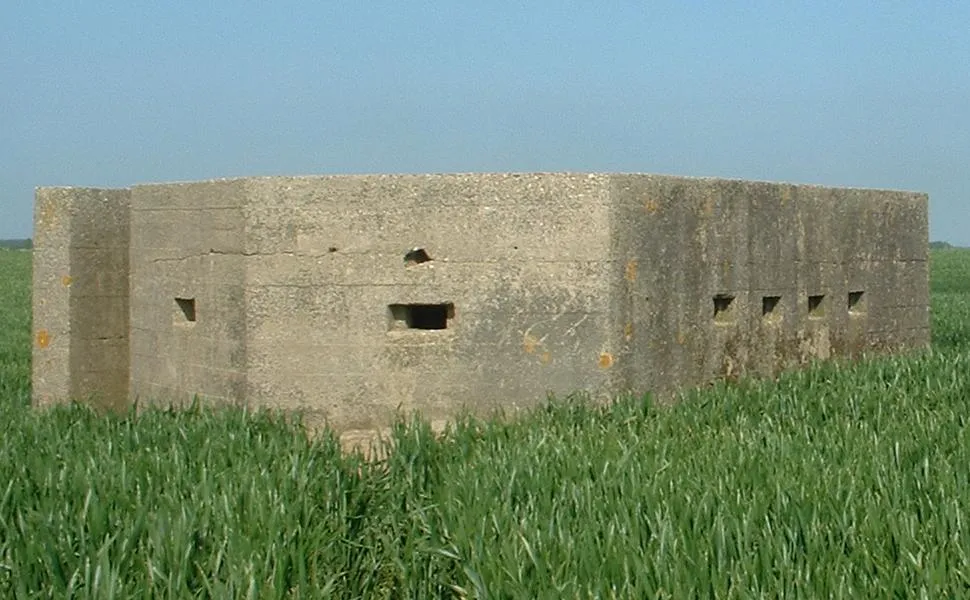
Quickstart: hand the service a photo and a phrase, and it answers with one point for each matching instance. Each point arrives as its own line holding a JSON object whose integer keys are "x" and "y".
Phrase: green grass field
{"x": 841, "y": 481}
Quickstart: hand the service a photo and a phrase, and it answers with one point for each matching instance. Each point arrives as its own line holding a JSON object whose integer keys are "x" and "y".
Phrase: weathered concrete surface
{"x": 80, "y": 296}
{"x": 523, "y": 258}
{"x": 769, "y": 248}
{"x": 311, "y": 292}
{"x": 186, "y": 257}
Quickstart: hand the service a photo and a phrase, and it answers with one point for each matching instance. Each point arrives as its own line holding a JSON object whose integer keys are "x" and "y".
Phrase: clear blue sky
{"x": 872, "y": 94}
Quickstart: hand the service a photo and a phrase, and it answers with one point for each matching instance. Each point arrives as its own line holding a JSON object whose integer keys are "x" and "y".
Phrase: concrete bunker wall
{"x": 80, "y": 296}
{"x": 352, "y": 296}
{"x": 188, "y": 321}
{"x": 726, "y": 278}
{"x": 511, "y": 273}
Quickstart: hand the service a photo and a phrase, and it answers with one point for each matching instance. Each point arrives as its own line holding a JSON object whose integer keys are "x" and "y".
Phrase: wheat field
{"x": 839, "y": 481}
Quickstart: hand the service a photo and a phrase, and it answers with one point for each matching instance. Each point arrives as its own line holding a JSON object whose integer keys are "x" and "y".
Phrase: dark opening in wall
{"x": 769, "y": 306}
{"x": 416, "y": 257}
{"x": 186, "y": 309}
{"x": 421, "y": 316}
{"x": 723, "y": 308}
{"x": 856, "y": 304}
{"x": 816, "y": 306}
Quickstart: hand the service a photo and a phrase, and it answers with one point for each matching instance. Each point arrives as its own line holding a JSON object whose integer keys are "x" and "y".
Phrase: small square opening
{"x": 417, "y": 256}
{"x": 816, "y": 306}
{"x": 186, "y": 309}
{"x": 770, "y": 306}
{"x": 421, "y": 316}
{"x": 723, "y": 308}
{"x": 856, "y": 302}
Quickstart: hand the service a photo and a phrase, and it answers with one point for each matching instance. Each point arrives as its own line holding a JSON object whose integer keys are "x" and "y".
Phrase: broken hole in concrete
{"x": 816, "y": 305}
{"x": 187, "y": 308}
{"x": 416, "y": 257}
{"x": 332, "y": 249}
{"x": 421, "y": 316}
{"x": 723, "y": 308}
{"x": 769, "y": 304}
{"x": 856, "y": 305}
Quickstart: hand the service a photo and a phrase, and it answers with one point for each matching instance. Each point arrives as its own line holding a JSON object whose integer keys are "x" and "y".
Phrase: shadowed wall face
{"x": 732, "y": 278}
{"x": 80, "y": 296}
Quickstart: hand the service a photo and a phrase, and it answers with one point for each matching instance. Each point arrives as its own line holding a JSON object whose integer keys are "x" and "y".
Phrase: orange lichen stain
{"x": 606, "y": 360}
{"x": 545, "y": 358}
{"x": 631, "y": 270}
{"x": 43, "y": 339}
{"x": 651, "y": 206}
{"x": 529, "y": 343}
{"x": 628, "y": 331}
{"x": 66, "y": 280}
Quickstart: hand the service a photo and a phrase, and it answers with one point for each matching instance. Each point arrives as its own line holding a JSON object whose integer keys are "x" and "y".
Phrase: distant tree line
{"x": 940, "y": 245}
{"x": 17, "y": 244}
